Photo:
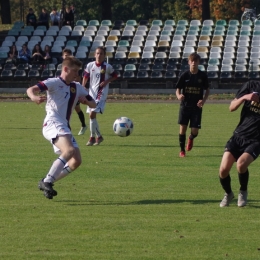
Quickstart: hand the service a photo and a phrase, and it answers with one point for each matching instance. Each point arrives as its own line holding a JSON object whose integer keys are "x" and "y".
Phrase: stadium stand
{"x": 146, "y": 50}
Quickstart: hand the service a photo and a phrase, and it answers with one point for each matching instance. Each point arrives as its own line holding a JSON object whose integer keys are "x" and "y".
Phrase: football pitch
{"x": 132, "y": 198}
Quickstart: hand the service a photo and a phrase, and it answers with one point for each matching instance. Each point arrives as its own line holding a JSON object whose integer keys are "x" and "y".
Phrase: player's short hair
{"x": 68, "y": 51}
{"x": 101, "y": 48}
{"x": 71, "y": 61}
{"x": 194, "y": 56}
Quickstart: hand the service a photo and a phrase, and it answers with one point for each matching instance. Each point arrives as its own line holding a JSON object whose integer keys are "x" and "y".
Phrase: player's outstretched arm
{"x": 235, "y": 103}
{"x": 32, "y": 94}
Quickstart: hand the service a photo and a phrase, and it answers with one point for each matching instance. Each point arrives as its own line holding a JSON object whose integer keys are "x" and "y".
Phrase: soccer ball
{"x": 123, "y": 126}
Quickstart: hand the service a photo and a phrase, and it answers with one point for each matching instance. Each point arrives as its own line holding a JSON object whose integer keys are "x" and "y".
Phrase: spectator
{"x": 12, "y": 54}
{"x": 37, "y": 54}
{"x": 55, "y": 17}
{"x": 44, "y": 18}
{"x": 68, "y": 17}
{"x": 24, "y": 54}
{"x": 73, "y": 10}
{"x": 47, "y": 53}
{"x": 31, "y": 18}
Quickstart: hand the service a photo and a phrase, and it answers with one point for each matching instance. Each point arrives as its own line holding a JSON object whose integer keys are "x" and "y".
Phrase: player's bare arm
{"x": 32, "y": 94}
{"x": 202, "y": 102}
{"x": 84, "y": 81}
{"x": 235, "y": 103}
{"x": 179, "y": 95}
{"x": 87, "y": 101}
{"x": 104, "y": 83}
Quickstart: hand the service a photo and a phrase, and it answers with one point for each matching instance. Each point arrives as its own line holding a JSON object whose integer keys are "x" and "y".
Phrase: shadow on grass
{"x": 152, "y": 202}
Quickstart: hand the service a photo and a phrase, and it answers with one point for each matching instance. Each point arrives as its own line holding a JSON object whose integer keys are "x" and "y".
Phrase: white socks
{"x": 55, "y": 170}
{"x": 94, "y": 128}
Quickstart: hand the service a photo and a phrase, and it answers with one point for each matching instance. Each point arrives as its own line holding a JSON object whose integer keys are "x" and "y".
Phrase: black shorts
{"x": 237, "y": 146}
{"x": 190, "y": 114}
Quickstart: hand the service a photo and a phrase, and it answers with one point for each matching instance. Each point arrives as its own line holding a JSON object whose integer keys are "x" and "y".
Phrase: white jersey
{"x": 61, "y": 98}
{"x": 98, "y": 73}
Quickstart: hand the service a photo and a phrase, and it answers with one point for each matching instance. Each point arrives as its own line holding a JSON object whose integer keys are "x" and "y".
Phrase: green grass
{"x": 132, "y": 198}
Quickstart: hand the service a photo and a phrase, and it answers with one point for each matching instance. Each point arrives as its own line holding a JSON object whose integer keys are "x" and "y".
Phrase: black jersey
{"x": 192, "y": 86}
{"x": 249, "y": 125}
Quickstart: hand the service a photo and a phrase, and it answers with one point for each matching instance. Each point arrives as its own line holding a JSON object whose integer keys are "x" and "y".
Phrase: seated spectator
{"x": 47, "y": 54}
{"x": 65, "y": 53}
{"x": 24, "y": 54}
{"x": 31, "y": 18}
{"x": 37, "y": 54}
{"x": 12, "y": 55}
{"x": 44, "y": 18}
{"x": 55, "y": 17}
{"x": 68, "y": 17}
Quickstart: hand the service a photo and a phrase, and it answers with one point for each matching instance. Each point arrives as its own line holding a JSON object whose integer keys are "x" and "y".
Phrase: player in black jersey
{"x": 190, "y": 91}
{"x": 244, "y": 146}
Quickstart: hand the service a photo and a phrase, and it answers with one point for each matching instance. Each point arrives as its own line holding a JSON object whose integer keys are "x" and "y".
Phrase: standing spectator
{"x": 68, "y": 17}
{"x": 37, "y": 54}
{"x": 55, "y": 17}
{"x": 73, "y": 10}
{"x": 12, "y": 54}
{"x": 24, "y": 54}
{"x": 44, "y": 18}
{"x": 190, "y": 91}
{"x": 100, "y": 75}
{"x": 31, "y": 18}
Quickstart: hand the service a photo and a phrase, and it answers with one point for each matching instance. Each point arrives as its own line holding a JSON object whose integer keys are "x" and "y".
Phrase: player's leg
{"x": 71, "y": 165}
{"x": 182, "y": 139}
{"x": 243, "y": 176}
{"x": 251, "y": 152}
{"x": 183, "y": 122}
{"x": 81, "y": 118}
{"x": 224, "y": 177}
{"x": 195, "y": 125}
{"x": 92, "y": 127}
{"x": 64, "y": 146}
{"x": 67, "y": 151}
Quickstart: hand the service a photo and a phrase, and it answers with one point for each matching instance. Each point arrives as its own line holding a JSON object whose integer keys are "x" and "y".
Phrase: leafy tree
{"x": 226, "y": 9}
{"x": 195, "y": 9}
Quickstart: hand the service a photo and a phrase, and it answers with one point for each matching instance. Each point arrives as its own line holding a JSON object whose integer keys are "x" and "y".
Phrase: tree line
{"x": 15, "y": 10}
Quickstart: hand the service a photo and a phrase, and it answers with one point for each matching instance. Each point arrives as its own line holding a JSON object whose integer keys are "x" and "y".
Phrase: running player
{"x": 66, "y": 53}
{"x": 63, "y": 94}
{"x": 100, "y": 74}
{"x": 190, "y": 91}
{"x": 244, "y": 146}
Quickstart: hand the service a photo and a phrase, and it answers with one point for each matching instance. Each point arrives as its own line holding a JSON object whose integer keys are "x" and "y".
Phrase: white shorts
{"x": 51, "y": 130}
{"x": 100, "y": 107}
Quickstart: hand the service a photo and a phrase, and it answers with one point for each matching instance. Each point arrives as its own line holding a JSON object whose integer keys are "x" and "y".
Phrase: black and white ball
{"x": 123, "y": 126}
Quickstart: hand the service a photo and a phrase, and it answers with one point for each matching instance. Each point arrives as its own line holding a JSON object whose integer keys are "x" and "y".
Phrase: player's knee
{"x": 241, "y": 167}
{"x": 69, "y": 153}
{"x": 223, "y": 172}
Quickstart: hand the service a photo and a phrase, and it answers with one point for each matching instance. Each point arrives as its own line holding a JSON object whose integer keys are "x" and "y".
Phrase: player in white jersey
{"x": 65, "y": 53}
{"x": 63, "y": 94}
{"x": 100, "y": 74}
